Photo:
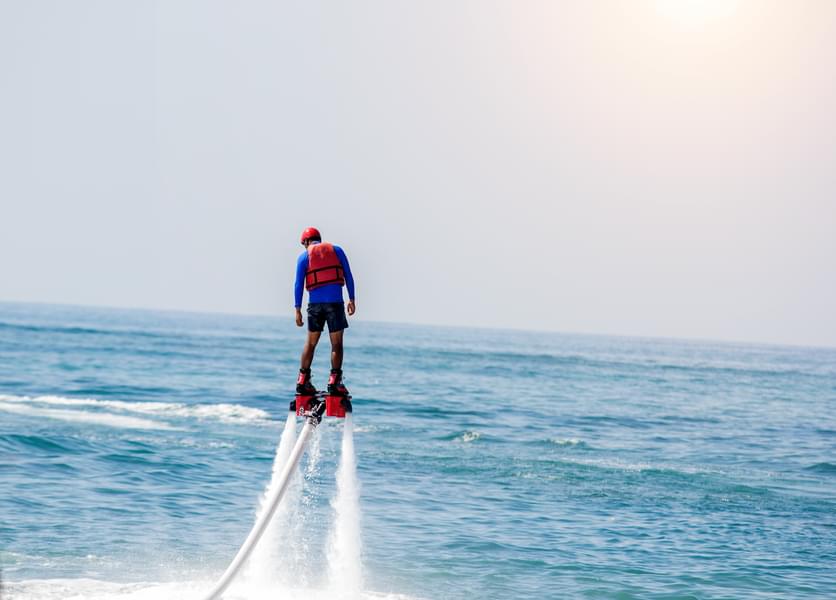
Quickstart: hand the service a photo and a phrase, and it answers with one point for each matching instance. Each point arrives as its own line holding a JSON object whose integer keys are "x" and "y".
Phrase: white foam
{"x": 641, "y": 467}
{"x": 371, "y": 428}
{"x": 109, "y": 420}
{"x": 469, "y": 436}
{"x": 566, "y": 442}
{"x": 228, "y": 413}
{"x": 90, "y": 589}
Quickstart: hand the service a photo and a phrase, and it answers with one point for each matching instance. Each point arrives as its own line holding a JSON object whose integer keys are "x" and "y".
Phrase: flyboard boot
{"x": 335, "y": 383}
{"x": 338, "y": 400}
{"x": 305, "y": 392}
{"x": 304, "y": 386}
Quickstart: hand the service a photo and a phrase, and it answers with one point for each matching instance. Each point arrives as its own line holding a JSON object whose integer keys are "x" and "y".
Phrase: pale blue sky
{"x": 659, "y": 168}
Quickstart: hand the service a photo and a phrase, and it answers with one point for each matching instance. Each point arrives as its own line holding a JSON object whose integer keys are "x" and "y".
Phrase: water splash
{"x": 265, "y": 567}
{"x": 345, "y": 545}
{"x": 469, "y": 436}
{"x": 281, "y": 562}
{"x": 302, "y": 532}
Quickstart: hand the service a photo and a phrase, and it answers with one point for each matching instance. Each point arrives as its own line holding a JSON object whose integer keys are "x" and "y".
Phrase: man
{"x": 323, "y": 269}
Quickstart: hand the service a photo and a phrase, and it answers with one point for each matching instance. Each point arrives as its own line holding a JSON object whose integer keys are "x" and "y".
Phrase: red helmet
{"x": 311, "y": 232}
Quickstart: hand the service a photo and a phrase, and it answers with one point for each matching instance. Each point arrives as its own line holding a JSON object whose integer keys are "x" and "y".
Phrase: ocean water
{"x": 136, "y": 448}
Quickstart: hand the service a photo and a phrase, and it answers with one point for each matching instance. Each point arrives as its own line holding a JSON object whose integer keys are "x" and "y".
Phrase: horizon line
{"x": 730, "y": 342}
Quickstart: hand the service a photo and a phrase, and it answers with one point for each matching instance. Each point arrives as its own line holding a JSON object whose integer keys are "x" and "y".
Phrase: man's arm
{"x": 301, "y": 268}
{"x": 349, "y": 278}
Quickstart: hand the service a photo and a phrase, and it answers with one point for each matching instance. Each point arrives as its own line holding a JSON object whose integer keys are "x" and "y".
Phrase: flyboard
{"x": 312, "y": 409}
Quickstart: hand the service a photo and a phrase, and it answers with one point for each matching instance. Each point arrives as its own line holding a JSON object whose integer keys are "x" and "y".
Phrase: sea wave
{"x": 106, "y": 419}
{"x": 568, "y": 442}
{"x": 136, "y": 332}
{"x": 468, "y": 436}
{"x": 72, "y": 409}
{"x": 513, "y": 361}
{"x": 824, "y": 468}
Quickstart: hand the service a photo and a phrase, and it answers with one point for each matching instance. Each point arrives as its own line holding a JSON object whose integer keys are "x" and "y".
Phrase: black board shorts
{"x": 331, "y": 312}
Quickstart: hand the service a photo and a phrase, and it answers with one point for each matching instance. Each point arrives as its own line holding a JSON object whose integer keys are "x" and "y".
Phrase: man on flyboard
{"x": 323, "y": 270}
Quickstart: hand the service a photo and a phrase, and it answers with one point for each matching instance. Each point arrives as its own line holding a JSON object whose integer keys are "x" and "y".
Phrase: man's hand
{"x": 299, "y": 321}
{"x": 351, "y": 307}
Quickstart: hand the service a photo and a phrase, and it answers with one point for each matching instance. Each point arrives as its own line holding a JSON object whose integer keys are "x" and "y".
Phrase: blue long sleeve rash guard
{"x": 327, "y": 293}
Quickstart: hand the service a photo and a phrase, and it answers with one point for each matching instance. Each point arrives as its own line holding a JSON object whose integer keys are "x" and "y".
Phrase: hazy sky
{"x": 660, "y": 168}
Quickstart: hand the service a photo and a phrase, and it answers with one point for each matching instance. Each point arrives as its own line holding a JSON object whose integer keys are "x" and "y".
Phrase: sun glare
{"x": 696, "y": 13}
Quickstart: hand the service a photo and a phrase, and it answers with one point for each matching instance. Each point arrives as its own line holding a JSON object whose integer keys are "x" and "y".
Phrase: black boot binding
{"x": 304, "y": 387}
{"x": 335, "y": 384}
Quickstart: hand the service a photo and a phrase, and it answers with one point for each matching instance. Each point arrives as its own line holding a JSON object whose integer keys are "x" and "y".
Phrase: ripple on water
{"x": 823, "y": 468}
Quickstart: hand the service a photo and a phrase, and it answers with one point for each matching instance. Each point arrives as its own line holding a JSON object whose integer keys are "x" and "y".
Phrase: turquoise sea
{"x": 135, "y": 447}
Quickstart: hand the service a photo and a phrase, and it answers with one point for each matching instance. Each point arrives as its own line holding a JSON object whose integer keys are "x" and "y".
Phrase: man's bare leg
{"x": 335, "y": 382}
{"x": 336, "y": 349}
{"x": 303, "y": 383}
{"x": 310, "y": 347}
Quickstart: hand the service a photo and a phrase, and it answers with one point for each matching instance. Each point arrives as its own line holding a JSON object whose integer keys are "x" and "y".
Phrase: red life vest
{"x": 324, "y": 267}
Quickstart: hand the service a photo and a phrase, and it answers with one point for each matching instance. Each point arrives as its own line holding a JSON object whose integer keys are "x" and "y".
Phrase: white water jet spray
{"x": 263, "y": 521}
{"x": 303, "y": 527}
{"x": 264, "y": 567}
{"x": 345, "y": 546}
